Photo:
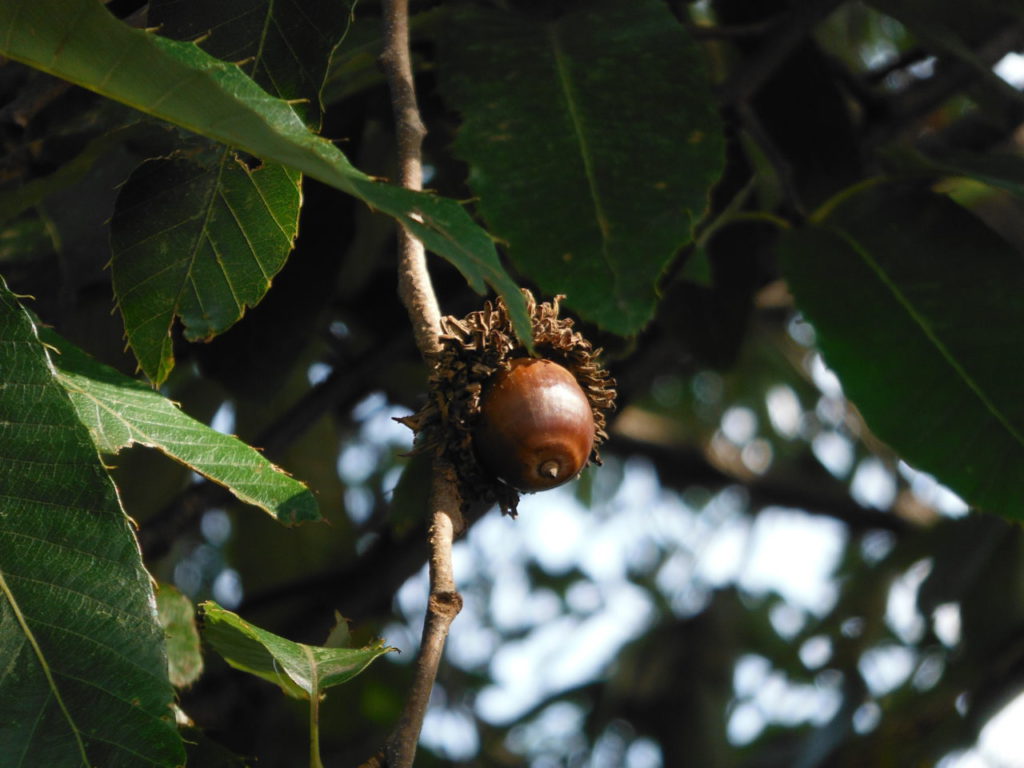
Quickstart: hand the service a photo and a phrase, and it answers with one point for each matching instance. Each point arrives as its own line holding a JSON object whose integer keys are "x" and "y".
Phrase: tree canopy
{"x": 792, "y": 227}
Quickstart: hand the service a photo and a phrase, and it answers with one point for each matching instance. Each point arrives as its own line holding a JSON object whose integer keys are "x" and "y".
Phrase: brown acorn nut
{"x": 476, "y": 350}
{"x": 536, "y": 426}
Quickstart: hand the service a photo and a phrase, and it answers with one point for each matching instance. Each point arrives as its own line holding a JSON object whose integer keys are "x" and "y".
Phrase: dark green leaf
{"x": 15, "y": 201}
{"x": 918, "y": 309}
{"x": 593, "y": 140}
{"x": 284, "y": 46}
{"x": 354, "y": 66}
{"x": 120, "y": 411}
{"x": 228, "y": 229}
{"x": 197, "y": 240}
{"x": 202, "y": 238}
{"x": 80, "y": 41}
{"x": 177, "y": 616}
{"x": 302, "y": 671}
{"x": 83, "y": 680}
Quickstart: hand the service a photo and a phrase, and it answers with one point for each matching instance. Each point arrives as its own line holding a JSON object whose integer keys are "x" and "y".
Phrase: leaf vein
{"x": 936, "y": 342}
{"x": 47, "y": 672}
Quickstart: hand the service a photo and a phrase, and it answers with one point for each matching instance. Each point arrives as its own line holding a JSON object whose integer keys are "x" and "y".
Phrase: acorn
{"x": 508, "y": 423}
{"x": 536, "y": 426}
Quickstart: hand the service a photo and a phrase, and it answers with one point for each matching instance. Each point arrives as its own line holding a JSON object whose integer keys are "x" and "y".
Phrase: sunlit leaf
{"x": 120, "y": 411}
{"x": 284, "y": 45}
{"x": 302, "y": 671}
{"x": 592, "y": 139}
{"x": 80, "y": 41}
{"x": 200, "y": 241}
{"x": 201, "y": 238}
{"x": 83, "y": 676}
{"x": 177, "y": 616}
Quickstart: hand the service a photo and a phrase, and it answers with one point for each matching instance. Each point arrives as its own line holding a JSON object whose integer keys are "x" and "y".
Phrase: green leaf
{"x": 284, "y": 46}
{"x": 918, "y": 309}
{"x": 120, "y": 411}
{"x": 302, "y": 671}
{"x": 177, "y": 616}
{"x": 593, "y": 141}
{"x": 202, "y": 238}
{"x": 199, "y": 240}
{"x": 354, "y": 66}
{"x": 79, "y": 41}
{"x": 83, "y": 676}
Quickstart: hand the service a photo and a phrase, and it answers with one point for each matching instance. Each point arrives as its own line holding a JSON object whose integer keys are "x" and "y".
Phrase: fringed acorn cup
{"x": 507, "y": 422}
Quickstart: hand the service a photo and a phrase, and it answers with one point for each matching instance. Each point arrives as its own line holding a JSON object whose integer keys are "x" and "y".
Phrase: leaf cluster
{"x": 742, "y": 201}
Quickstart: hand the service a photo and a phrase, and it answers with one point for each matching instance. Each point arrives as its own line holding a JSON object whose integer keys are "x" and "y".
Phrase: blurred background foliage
{"x": 752, "y": 579}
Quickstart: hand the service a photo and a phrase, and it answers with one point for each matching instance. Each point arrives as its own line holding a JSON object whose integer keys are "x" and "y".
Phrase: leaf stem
{"x": 417, "y": 294}
{"x": 314, "y": 730}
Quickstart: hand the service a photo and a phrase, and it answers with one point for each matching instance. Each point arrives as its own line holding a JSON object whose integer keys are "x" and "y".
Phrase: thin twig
{"x": 414, "y": 284}
{"x": 444, "y": 604}
{"x": 417, "y": 294}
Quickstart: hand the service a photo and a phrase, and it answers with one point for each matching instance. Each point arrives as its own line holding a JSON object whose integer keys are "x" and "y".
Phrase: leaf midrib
{"x": 586, "y": 156}
{"x": 201, "y": 237}
{"x": 314, "y": 670}
{"x": 246, "y": 491}
{"x": 31, "y": 638}
{"x": 136, "y": 435}
{"x": 921, "y": 323}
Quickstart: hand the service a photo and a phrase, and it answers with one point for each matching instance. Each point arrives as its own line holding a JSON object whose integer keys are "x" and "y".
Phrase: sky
{"x": 718, "y": 546}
